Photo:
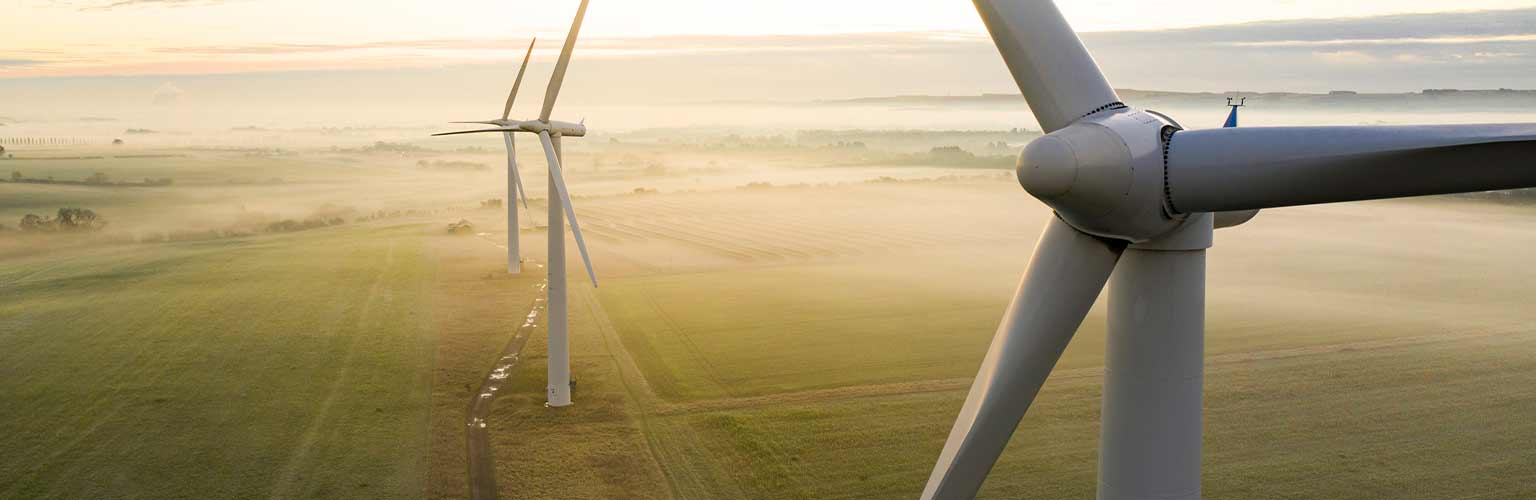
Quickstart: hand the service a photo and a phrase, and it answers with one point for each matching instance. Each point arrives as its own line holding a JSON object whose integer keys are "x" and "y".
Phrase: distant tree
{"x": 97, "y": 178}
{"x": 77, "y": 219}
{"x": 16, "y": 175}
{"x": 36, "y": 223}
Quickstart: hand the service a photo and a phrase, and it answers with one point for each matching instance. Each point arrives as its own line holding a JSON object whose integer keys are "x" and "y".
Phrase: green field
{"x": 1343, "y": 362}
{"x": 283, "y": 367}
{"x": 803, "y": 341}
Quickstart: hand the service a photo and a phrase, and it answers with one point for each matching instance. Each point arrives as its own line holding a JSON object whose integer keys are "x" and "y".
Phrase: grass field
{"x": 1344, "y": 361}
{"x": 811, "y": 340}
{"x": 282, "y": 367}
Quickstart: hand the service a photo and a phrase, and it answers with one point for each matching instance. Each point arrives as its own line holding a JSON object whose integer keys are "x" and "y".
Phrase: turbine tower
{"x": 550, "y": 132}
{"x": 1136, "y": 200}
{"x": 515, "y": 192}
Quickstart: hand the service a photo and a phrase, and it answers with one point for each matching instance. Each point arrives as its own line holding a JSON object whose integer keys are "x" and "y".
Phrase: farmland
{"x": 1343, "y": 361}
{"x": 210, "y": 369}
{"x": 774, "y": 323}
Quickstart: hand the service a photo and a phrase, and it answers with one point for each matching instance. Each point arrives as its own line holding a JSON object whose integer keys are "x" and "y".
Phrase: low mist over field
{"x": 764, "y": 289}
{"x": 193, "y": 179}
{"x": 235, "y": 263}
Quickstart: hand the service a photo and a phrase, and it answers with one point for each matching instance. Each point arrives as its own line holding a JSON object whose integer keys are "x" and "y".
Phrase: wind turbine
{"x": 1136, "y": 200}
{"x": 550, "y": 132}
{"x": 515, "y": 190}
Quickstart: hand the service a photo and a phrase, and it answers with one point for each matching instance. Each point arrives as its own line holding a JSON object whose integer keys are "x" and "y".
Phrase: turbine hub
{"x": 1048, "y": 167}
{"x": 1103, "y": 175}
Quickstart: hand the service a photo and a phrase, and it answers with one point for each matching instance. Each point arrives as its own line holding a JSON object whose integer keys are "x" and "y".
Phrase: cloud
{"x": 1345, "y": 57}
{"x": 1487, "y": 49}
{"x": 1403, "y": 27}
{"x": 1429, "y": 37}
{"x": 90, "y": 5}
{"x": 1384, "y": 53}
{"x": 655, "y": 45}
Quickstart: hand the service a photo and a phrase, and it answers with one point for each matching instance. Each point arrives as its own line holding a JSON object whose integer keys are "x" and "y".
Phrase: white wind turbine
{"x": 515, "y": 192}
{"x": 1136, "y": 200}
{"x": 550, "y": 132}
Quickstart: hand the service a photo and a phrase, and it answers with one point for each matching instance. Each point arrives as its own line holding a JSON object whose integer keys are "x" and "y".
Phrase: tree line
{"x": 96, "y": 179}
{"x": 66, "y": 220}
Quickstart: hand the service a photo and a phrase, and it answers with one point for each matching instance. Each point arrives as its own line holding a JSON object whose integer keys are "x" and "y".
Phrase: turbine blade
{"x": 1233, "y": 169}
{"x": 558, "y": 78}
{"x": 565, "y": 196}
{"x": 517, "y": 177}
{"x": 481, "y": 131}
{"x": 1238, "y": 218}
{"x": 477, "y": 123}
{"x": 1052, "y": 68}
{"x": 1063, "y": 280}
{"x": 507, "y": 111}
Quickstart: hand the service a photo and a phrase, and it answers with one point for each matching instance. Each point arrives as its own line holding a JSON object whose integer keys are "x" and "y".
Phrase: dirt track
{"x": 482, "y": 462}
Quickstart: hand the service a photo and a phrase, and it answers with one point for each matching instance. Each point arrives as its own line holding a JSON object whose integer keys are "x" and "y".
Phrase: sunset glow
{"x": 136, "y": 37}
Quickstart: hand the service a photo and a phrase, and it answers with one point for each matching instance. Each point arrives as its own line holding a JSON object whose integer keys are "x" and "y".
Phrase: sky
{"x": 135, "y": 37}
{"x": 162, "y": 63}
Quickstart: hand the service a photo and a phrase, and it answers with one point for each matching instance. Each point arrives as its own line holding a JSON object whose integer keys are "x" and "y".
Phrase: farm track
{"x": 481, "y": 472}
{"x": 482, "y": 461}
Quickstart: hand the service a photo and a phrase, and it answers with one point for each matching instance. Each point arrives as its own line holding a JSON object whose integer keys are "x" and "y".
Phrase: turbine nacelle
{"x": 1104, "y": 174}
{"x": 556, "y": 127}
